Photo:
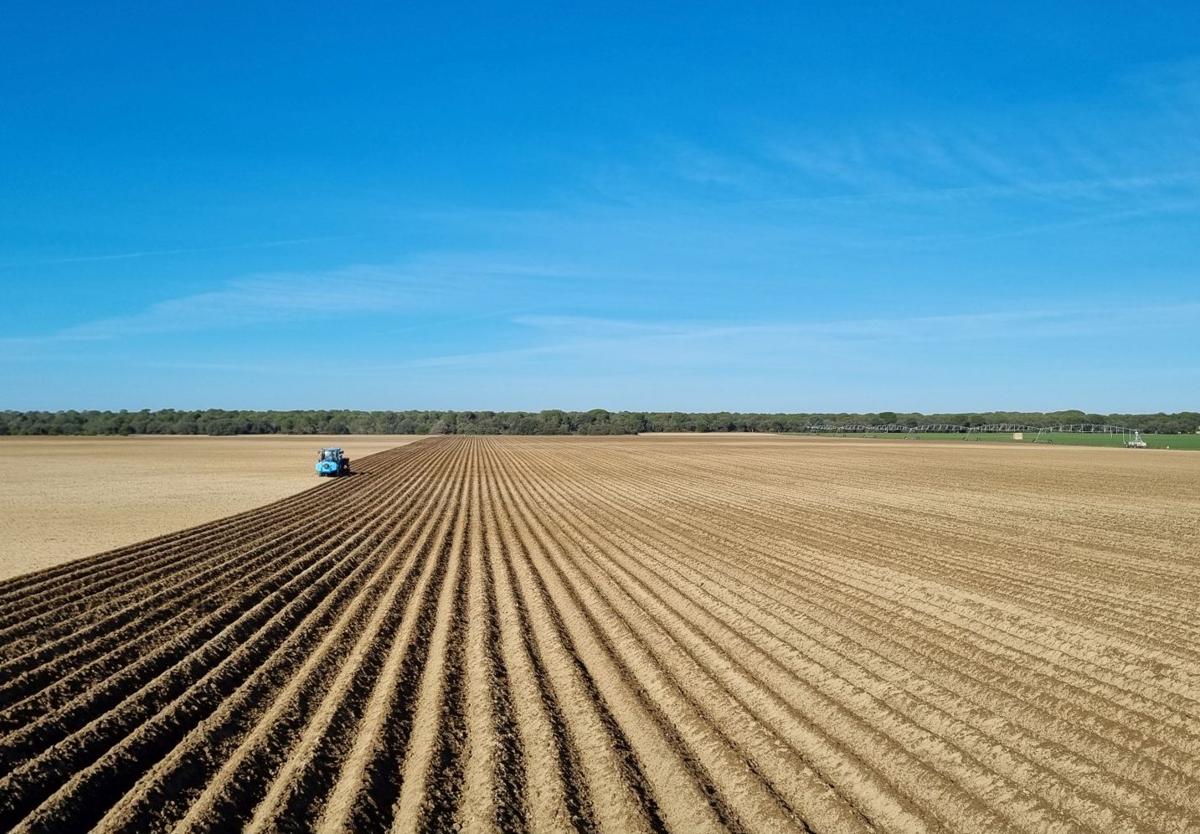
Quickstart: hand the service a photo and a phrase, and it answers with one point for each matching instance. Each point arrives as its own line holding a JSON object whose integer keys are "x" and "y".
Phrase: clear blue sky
{"x": 800, "y": 207}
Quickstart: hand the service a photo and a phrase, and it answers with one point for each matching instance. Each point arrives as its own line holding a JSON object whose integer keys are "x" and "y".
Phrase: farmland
{"x": 635, "y": 634}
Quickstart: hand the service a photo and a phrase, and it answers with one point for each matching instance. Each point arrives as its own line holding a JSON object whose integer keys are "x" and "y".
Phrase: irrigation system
{"x": 1040, "y": 434}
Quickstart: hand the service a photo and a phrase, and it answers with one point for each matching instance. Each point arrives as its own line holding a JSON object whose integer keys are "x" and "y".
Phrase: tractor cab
{"x": 332, "y": 463}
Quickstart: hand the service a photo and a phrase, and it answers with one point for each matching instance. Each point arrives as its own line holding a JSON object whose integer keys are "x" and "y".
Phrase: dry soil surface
{"x": 632, "y": 635}
{"x": 62, "y": 498}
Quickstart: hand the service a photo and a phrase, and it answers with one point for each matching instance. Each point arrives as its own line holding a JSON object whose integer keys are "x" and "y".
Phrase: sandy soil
{"x": 62, "y": 498}
{"x": 643, "y": 635}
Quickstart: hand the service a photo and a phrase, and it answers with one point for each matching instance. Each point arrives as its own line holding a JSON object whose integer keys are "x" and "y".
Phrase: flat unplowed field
{"x": 631, "y": 635}
{"x": 66, "y": 497}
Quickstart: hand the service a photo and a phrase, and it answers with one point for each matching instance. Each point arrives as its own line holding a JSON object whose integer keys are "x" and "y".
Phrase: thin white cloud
{"x": 430, "y": 284}
{"x": 149, "y": 253}
{"x": 1143, "y": 149}
{"x": 710, "y": 343}
{"x": 268, "y": 298}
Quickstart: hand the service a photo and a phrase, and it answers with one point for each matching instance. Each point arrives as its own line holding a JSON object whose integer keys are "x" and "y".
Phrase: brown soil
{"x": 632, "y": 634}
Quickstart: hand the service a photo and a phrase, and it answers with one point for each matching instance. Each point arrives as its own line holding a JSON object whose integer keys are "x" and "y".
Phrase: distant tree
{"x": 550, "y": 421}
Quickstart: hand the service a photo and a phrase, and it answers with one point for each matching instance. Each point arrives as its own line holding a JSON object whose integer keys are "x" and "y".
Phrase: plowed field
{"x": 631, "y": 635}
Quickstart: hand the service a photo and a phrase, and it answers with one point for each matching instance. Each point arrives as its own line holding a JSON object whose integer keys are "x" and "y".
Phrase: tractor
{"x": 332, "y": 463}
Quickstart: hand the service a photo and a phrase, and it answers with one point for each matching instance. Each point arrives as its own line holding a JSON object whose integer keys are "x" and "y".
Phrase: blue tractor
{"x": 332, "y": 463}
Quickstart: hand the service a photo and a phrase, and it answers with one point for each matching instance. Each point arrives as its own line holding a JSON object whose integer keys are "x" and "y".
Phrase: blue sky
{"x": 799, "y": 207}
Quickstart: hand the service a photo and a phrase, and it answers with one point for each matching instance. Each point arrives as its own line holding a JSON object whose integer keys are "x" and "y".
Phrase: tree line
{"x": 596, "y": 421}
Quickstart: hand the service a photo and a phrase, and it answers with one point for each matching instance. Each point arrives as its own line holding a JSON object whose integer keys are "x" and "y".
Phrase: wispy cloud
{"x": 1067, "y": 155}
{"x": 958, "y": 326}
{"x": 446, "y": 287}
{"x": 151, "y": 253}
{"x": 1072, "y": 158}
{"x": 269, "y": 298}
{"x": 712, "y": 343}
